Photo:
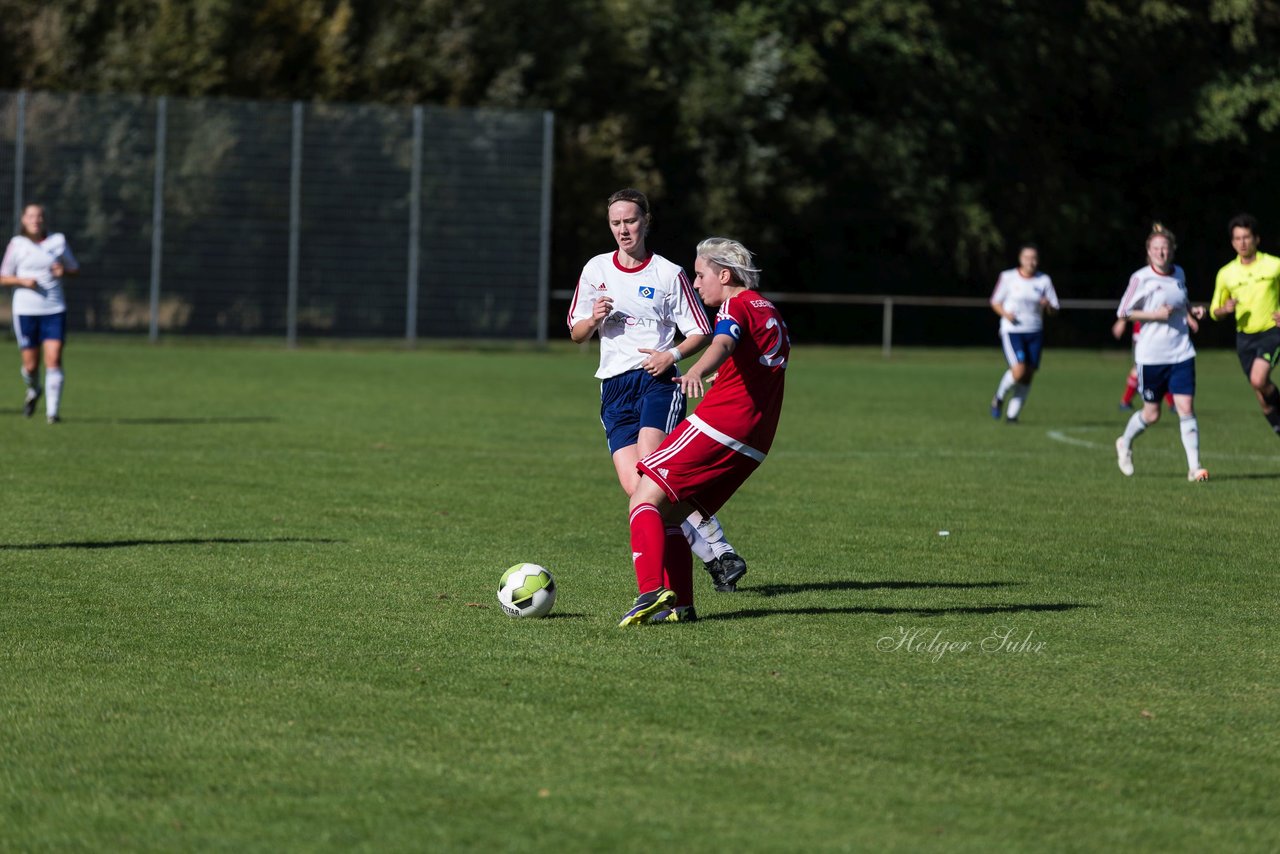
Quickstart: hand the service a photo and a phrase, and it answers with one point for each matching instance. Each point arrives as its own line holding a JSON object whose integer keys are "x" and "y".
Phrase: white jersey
{"x": 1021, "y": 295}
{"x": 1162, "y": 342}
{"x": 650, "y": 303}
{"x": 30, "y": 260}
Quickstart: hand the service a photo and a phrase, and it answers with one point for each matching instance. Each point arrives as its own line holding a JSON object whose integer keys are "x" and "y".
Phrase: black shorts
{"x": 1258, "y": 345}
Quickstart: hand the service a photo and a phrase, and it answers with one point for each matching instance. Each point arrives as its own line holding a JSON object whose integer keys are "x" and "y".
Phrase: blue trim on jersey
{"x": 635, "y": 399}
{"x": 32, "y": 330}
{"x": 1155, "y": 380}
{"x": 1027, "y": 346}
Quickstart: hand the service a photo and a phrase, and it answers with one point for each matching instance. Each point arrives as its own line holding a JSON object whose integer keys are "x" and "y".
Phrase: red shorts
{"x": 691, "y": 466}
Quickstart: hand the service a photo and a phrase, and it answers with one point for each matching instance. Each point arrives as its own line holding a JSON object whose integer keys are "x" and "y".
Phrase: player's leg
{"x": 1130, "y": 389}
{"x": 1027, "y": 348}
{"x": 1182, "y": 385}
{"x": 1152, "y": 380}
{"x": 27, "y": 330}
{"x": 1265, "y": 390}
{"x": 649, "y": 539}
{"x": 53, "y": 372}
{"x": 1007, "y": 379}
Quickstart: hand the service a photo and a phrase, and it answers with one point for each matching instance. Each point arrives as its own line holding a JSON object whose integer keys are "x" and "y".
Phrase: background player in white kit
{"x": 1021, "y": 298}
{"x": 36, "y": 262}
{"x": 1157, "y": 296}
{"x": 637, "y": 300}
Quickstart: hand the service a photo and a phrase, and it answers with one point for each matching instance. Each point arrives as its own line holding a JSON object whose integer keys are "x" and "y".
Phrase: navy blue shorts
{"x": 34, "y": 329}
{"x": 1022, "y": 347}
{"x": 633, "y": 400}
{"x": 1155, "y": 380}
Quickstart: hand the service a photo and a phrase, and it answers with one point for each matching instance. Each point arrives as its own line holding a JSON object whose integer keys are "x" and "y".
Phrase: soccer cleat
{"x": 29, "y": 404}
{"x": 646, "y": 604}
{"x": 715, "y": 571}
{"x": 732, "y": 568}
{"x": 997, "y": 405}
{"x": 1125, "y": 407}
{"x": 1013, "y": 420}
{"x": 1198, "y": 474}
{"x": 55, "y": 419}
{"x": 1124, "y": 457}
{"x": 678, "y": 614}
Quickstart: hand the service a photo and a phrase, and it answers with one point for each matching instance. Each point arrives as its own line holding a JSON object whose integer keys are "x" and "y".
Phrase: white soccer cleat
{"x": 1198, "y": 474}
{"x": 1124, "y": 457}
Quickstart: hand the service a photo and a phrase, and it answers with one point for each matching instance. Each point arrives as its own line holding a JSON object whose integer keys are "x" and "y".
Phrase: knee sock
{"x": 31, "y": 378}
{"x": 696, "y": 541}
{"x": 1006, "y": 383}
{"x": 1130, "y": 389}
{"x": 678, "y": 566}
{"x": 1020, "y": 392}
{"x": 648, "y": 542}
{"x": 1191, "y": 440}
{"x": 53, "y": 390}
{"x": 1272, "y": 401}
{"x": 712, "y": 533}
{"x": 1134, "y": 428}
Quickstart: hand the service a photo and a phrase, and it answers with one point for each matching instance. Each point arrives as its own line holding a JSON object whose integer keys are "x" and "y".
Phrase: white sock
{"x": 53, "y": 390}
{"x": 1134, "y": 428}
{"x": 1191, "y": 440}
{"x": 701, "y": 548}
{"x": 712, "y": 532}
{"x": 31, "y": 379}
{"x": 1020, "y": 392}
{"x": 1006, "y": 383}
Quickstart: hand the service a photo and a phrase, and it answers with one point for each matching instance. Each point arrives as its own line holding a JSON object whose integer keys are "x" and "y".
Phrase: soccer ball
{"x": 527, "y": 590}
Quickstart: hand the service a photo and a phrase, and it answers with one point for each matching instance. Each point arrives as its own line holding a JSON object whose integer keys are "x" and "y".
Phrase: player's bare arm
{"x": 1228, "y": 307}
{"x": 692, "y": 382}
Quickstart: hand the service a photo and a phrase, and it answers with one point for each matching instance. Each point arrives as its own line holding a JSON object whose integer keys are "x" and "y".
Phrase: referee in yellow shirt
{"x": 1249, "y": 288}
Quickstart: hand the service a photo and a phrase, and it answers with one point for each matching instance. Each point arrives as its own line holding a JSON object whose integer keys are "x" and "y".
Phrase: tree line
{"x": 885, "y": 146}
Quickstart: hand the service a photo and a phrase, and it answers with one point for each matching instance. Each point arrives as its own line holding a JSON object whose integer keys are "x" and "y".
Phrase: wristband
{"x": 678, "y": 354}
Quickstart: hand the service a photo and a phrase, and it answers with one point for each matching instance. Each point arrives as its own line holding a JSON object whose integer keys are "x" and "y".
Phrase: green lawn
{"x": 247, "y": 603}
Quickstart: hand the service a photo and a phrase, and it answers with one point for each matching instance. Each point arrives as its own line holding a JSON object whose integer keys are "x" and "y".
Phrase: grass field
{"x": 247, "y": 603}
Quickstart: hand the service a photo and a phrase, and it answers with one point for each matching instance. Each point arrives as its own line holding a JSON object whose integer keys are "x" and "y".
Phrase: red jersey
{"x": 746, "y": 399}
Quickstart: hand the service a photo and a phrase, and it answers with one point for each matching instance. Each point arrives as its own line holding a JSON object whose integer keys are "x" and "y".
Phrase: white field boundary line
{"x": 1062, "y": 436}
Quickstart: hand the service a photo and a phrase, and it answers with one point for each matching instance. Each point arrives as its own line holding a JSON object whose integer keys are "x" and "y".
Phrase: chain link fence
{"x": 212, "y": 216}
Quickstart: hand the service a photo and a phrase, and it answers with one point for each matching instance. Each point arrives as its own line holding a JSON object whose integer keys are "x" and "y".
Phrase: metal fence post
{"x": 886, "y": 331}
{"x": 544, "y": 262}
{"x": 157, "y": 214}
{"x": 415, "y": 229}
{"x": 19, "y": 158}
{"x": 295, "y": 226}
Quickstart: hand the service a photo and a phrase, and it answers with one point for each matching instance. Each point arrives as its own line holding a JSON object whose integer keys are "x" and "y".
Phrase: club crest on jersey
{"x": 646, "y": 292}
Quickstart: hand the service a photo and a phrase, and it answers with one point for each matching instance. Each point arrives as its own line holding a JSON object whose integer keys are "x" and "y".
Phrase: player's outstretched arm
{"x": 691, "y": 383}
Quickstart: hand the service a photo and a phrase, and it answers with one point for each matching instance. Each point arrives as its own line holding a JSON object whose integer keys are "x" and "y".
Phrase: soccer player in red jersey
{"x": 713, "y": 451}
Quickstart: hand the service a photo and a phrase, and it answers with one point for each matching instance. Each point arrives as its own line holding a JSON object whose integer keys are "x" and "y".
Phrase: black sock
{"x": 1272, "y": 401}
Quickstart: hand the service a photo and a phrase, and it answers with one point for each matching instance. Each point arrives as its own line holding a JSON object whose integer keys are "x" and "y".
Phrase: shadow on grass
{"x": 749, "y": 613}
{"x": 561, "y": 615}
{"x": 1258, "y": 476}
{"x": 161, "y": 420}
{"x": 783, "y": 589}
{"x": 125, "y": 544}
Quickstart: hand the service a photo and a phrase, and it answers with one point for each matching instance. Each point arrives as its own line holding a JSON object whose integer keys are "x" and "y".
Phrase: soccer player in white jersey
{"x": 35, "y": 263}
{"x": 1021, "y": 297}
{"x": 1157, "y": 296}
{"x": 637, "y": 301}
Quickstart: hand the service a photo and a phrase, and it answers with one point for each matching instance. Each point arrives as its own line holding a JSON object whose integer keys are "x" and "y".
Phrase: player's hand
{"x": 602, "y": 308}
{"x": 1162, "y": 313}
{"x": 657, "y": 362}
{"x": 1117, "y": 328}
{"x": 1192, "y": 324}
{"x": 691, "y": 384}
{"x": 33, "y": 284}
{"x": 1196, "y": 311}
{"x": 57, "y": 269}
{"x": 1229, "y": 306}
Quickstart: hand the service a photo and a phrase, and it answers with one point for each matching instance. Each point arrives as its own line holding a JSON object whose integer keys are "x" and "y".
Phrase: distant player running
{"x": 712, "y": 453}
{"x": 36, "y": 262}
{"x": 1021, "y": 297}
{"x": 1249, "y": 288}
{"x": 636, "y": 300}
{"x": 1157, "y": 296}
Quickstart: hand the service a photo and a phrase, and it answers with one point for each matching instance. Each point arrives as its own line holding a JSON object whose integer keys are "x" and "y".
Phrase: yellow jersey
{"x": 1255, "y": 288}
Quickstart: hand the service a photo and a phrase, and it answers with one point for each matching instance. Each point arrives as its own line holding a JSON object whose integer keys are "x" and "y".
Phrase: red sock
{"x": 1130, "y": 389}
{"x": 678, "y": 569}
{"x": 647, "y": 546}
{"x": 1168, "y": 398}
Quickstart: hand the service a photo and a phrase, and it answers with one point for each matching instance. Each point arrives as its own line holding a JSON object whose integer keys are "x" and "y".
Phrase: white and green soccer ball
{"x": 527, "y": 590}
